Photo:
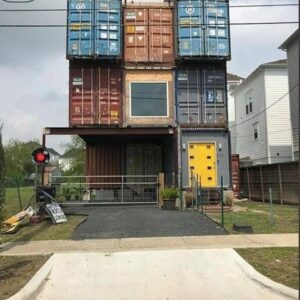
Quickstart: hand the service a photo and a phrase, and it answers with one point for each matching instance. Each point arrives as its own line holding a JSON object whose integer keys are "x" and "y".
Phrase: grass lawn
{"x": 16, "y": 271}
{"x": 258, "y": 214}
{"x": 278, "y": 264}
{"x": 44, "y": 231}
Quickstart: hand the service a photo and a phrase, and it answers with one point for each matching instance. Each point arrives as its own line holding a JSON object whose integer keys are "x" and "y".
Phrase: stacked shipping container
{"x": 150, "y": 65}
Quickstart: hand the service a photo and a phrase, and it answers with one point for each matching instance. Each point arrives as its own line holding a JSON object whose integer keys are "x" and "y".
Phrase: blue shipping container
{"x": 203, "y": 28}
{"x": 80, "y": 28}
{"x": 216, "y": 28}
{"x": 190, "y": 32}
{"x": 94, "y": 29}
{"x": 108, "y": 28}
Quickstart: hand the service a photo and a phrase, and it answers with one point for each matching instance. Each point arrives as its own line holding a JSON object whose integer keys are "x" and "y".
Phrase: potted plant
{"x": 67, "y": 193}
{"x": 79, "y": 192}
{"x": 169, "y": 196}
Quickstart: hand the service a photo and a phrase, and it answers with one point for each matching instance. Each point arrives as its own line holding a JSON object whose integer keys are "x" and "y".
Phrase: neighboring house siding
{"x": 246, "y": 145}
{"x": 278, "y": 116}
{"x": 293, "y": 69}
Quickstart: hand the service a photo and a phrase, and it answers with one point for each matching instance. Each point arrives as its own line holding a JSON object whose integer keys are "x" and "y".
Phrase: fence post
{"x": 280, "y": 184}
{"x": 122, "y": 193}
{"x": 262, "y": 184}
{"x": 222, "y": 203}
{"x": 161, "y": 186}
{"x": 197, "y": 191}
{"x": 19, "y": 195}
{"x": 272, "y": 221}
{"x": 248, "y": 182}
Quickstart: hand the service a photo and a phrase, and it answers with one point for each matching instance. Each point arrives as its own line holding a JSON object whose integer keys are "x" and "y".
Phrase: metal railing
{"x": 125, "y": 189}
{"x": 208, "y": 201}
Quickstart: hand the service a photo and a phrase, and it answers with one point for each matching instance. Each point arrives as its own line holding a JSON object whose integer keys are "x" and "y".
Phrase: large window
{"x": 149, "y": 99}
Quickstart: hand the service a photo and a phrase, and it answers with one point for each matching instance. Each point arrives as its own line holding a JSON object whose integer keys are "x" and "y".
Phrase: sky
{"x": 34, "y": 70}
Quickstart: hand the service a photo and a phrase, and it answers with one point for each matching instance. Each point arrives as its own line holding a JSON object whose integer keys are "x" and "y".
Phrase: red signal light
{"x": 41, "y": 156}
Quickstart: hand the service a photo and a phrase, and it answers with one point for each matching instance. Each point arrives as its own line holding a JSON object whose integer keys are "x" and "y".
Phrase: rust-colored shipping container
{"x": 235, "y": 175}
{"x": 148, "y": 34}
{"x": 95, "y": 95}
{"x": 104, "y": 159}
{"x": 149, "y": 97}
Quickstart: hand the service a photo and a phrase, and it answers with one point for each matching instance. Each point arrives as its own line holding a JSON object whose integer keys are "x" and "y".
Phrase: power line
{"x": 282, "y": 97}
{"x": 128, "y": 7}
{"x": 275, "y": 131}
{"x": 146, "y": 25}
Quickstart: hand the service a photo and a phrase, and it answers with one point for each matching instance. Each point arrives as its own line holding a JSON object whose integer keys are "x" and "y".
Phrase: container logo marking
{"x": 190, "y": 9}
{"x": 80, "y": 6}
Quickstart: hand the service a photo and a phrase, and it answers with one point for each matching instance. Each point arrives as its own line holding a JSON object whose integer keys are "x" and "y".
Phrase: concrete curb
{"x": 264, "y": 281}
{"x": 36, "y": 283}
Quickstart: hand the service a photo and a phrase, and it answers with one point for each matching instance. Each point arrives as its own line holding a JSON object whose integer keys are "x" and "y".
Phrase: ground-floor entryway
{"x": 116, "y": 222}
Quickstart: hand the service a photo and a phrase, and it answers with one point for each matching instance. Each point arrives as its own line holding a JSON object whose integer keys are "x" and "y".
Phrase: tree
{"x": 75, "y": 155}
{"x": 18, "y": 159}
{"x": 2, "y": 177}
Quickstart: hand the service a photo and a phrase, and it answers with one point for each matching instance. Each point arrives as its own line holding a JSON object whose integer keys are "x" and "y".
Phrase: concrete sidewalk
{"x": 161, "y": 243}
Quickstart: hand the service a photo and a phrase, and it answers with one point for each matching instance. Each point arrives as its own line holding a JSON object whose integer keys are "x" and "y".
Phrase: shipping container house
{"x": 206, "y": 154}
{"x": 94, "y": 29}
{"x": 148, "y": 98}
{"x": 148, "y": 35}
{"x": 203, "y": 29}
{"x": 201, "y": 97}
{"x": 95, "y": 95}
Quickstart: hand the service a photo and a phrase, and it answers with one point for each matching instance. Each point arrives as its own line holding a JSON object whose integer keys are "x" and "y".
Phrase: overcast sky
{"x": 34, "y": 71}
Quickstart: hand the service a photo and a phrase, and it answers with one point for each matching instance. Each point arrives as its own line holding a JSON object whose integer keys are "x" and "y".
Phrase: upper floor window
{"x": 149, "y": 99}
{"x": 256, "y": 131}
{"x": 249, "y": 102}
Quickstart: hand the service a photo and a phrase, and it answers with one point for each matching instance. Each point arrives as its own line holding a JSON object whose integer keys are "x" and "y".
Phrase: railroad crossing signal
{"x": 40, "y": 156}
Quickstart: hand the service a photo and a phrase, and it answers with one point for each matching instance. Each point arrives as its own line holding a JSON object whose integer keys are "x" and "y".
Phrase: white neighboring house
{"x": 291, "y": 46}
{"x": 263, "y": 131}
{"x": 233, "y": 81}
{"x": 54, "y": 156}
{"x": 66, "y": 160}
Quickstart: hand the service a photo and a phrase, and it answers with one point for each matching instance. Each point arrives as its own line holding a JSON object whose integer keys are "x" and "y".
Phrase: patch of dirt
{"x": 16, "y": 271}
{"x": 237, "y": 208}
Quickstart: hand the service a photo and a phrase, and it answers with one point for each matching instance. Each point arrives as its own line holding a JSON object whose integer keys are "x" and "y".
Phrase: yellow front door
{"x": 202, "y": 162}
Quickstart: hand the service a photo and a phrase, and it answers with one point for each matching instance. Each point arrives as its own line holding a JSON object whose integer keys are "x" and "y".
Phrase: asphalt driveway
{"x": 116, "y": 222}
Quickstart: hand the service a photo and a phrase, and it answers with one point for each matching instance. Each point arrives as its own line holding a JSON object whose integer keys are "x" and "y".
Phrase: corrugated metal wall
{"x": 201, "y": 96}
{"x": 95, "y": 94}
{"x": 94, "y": 29}
{"x": 203, "y": 29}
{"x": 148, "y": 35}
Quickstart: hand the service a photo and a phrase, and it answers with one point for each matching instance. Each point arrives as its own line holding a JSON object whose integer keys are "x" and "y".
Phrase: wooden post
{"x": 262, "y": 184}
{"x": 161, "y": 182}
{"x": 248, "y": 181}
{"x": 280, "y": 184}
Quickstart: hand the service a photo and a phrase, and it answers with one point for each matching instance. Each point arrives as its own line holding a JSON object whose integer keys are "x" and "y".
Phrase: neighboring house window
{"x": 248, "y": 102}
{"x": 149, "y": 99}
{"x": 255, "y": 131}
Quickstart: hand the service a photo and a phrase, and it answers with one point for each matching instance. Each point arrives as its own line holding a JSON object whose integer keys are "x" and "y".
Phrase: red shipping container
{"x": 149, "y": 35}
{"x": 95, "y": 95}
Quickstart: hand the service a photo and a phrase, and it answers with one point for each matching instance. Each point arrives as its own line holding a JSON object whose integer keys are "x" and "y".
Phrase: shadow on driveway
{"x": 116, "y": 222}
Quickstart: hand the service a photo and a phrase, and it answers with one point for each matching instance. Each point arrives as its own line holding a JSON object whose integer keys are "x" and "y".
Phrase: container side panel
{"x": 148, "y": 35}
{"x": 190, "y": 28}
{"x": 216, "y": 28}
{"x": 108, "y": 28}
{"x": 80, "y": 28}
{"x": 95, "y": 95}
{"x": 201, "y": 97}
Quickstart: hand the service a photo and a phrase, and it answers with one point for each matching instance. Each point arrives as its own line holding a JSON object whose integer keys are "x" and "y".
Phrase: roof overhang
{"x": 126, "y": 131}
{"x": 290, "y": 39}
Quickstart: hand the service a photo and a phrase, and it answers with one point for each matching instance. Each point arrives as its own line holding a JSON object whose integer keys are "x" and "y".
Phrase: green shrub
{"x": 168, "y": 193}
